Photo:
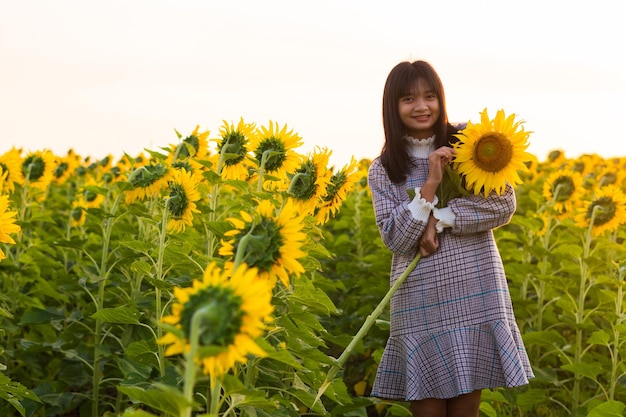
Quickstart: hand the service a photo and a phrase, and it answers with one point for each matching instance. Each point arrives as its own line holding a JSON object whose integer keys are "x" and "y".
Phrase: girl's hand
{"x": 437, "y": 162}
{"x": 429, "y": 242}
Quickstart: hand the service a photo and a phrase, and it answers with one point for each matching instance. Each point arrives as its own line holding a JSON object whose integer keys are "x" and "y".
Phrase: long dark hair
{"x": 400, "y": 81}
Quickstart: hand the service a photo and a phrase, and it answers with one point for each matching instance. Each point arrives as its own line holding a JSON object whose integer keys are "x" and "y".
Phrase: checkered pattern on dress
{"x": 452, "y": 324}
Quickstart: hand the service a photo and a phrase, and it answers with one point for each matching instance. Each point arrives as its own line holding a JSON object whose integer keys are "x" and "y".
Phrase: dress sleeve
{"x": 475, "y": 213}
{"x": 400, "y": 221}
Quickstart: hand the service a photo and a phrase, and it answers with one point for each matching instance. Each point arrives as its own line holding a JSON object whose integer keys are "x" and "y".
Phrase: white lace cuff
{"x": 445, "y": 217}
{"x": 420, "y": 208}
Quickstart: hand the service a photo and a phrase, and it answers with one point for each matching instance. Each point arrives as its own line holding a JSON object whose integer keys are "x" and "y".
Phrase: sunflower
{"x": 147, "y": 181}
{"x": 309, "y": 181}
{"x": 564, "y": 190}
{"x": 273, "y": 241}
{"x": 556, "y": 156}
{"x": 232, "y": 150}
{"x": 78, "y": 214}
{"x": 65, "y": 167}
{"x": 235, "y": 308}
{"x": 610, "y": 175}
{"x": 38, "y": 169}
{"x": 7, "y": 223}
{"x": 607, "y": 210}
{"x": 181, "y": 200}
{"x": 90, "y": 196}
{"x": 490, "y": 154}
{"x": 273, "y": 149}
{"x": 11, "y": 170}
{"x": 129, "y": 163}
{"x": 193, "y": 146}
{"x": 341, "y": 183}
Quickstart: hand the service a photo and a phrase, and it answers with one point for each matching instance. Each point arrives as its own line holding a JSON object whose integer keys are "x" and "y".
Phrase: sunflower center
{"x": 604, "y": 208}
{"x": 33, "y": 167}
{"x": 563, "y": 188}
{"x": 178, "y": 202}
{"x": 276, "y": 152}
{"x": 493, "y": 152}
{"x": 220, "y": 322}
{"x": 234, "y": 146}
{"x": 263, "y": 246}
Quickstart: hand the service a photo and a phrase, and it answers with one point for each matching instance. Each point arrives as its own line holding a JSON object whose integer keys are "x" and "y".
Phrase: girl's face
{"x": 419, "y": 111}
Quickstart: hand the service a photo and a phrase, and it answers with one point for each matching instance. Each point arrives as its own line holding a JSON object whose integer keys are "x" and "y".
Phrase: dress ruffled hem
{"x": 452, "y": 362}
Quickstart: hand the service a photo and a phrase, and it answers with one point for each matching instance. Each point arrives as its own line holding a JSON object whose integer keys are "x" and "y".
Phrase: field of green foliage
{"x": 222, "y": 275}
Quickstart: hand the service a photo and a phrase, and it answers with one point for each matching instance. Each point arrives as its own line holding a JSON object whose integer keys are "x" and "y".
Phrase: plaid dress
{"x": 453, "y": 330}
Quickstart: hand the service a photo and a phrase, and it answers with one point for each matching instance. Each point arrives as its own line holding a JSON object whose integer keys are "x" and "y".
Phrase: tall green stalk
{"x": 369, "y": 321}
{"x": 583, "y": 289}
{"x": 102, "y": 278}
{"x": 157, "y": 290}
{"x": 615, "y": 351}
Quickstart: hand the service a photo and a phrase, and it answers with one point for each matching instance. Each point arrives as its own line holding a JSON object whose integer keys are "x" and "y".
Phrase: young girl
{"x": 453, "y": 332}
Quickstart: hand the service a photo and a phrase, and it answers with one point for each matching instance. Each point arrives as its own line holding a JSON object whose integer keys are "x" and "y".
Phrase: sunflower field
{"x": 223, "y": 275}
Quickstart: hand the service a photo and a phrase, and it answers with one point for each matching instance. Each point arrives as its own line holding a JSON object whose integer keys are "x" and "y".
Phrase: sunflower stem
{"x": 580, "y": 310}
{"x": 102, "y": 278}
{"x": 264, "y": 157}
{"x": 615, "y": 352}
{"x": 241, "y": 248}
{"x": 157, "y": 289}
{"x": 190, "y": 360}
{"x": 369, "y": 321}
{"x": 294, "y": 181}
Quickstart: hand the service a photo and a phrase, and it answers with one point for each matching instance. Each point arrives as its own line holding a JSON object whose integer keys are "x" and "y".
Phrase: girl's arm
{"x": 475, "y": 213}
{"x": 400, "y": 221}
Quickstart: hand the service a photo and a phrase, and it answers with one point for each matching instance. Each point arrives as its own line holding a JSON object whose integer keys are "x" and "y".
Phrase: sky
{"x": 121, "y": 76}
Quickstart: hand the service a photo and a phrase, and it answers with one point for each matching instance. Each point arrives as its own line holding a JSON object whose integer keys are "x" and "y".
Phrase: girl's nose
{"x": 420, "y": 104}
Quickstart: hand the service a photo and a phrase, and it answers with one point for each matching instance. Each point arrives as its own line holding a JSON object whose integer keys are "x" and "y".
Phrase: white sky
{"x": 120, "y": 75}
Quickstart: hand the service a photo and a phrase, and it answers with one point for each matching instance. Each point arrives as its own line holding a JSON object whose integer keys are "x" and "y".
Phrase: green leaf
{"x": 544, "y": 338}
{"x": 136, "y": 245}
{"x": 285, "y": 357}
{"x": 161, "y": 397}
{"x": 488, "y": 410}
{"x": 608, "y": 409}
{"x": 132, "y": 412}
{"x": 219, "y": 228}
{"x": 120, "y": 315}
{"x": 141, "y": 266}
{"x": 590, "y": 370}
{"x": 73, "y": 243}
{"x": 451, "y": 186}
{"x": 599, "y": 337}
{"x": 35, "y": 315}
{"x": 575, "y": 251}
{"x": 306, "y": 294}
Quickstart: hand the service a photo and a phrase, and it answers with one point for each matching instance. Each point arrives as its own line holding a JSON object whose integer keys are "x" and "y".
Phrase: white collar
{"x": 419, "y": 148}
